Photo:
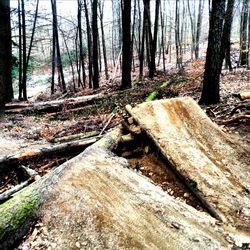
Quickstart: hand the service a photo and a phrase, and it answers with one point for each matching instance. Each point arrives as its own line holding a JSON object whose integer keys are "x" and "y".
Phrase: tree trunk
{"x": 70, "y": 61}
{"x": 142, "y": 48}
{"x": 133, "y": 41}
{"x": 177, "y": 35}
{"x": 192, "y": 22}
{"x": 243, "y": 34}
{"x": 225, "y": 43}
{"x": 57, "y": 47}
{"x": 148, "y": 32}
{"x": 24, "y": 79}
{"x": 211, "y": 91}
{"x": 248, "y": 38}
{"x": 101, "y": 9}
{"x": 163, "y": 39}
{"x": 53, "y": 64}
{"x": 95, "y": 44}
{"x": 90, "y": 45}
{"x": 154, "y": 42}
{"x": 26, "y": 63}
{"x": 126, "y": 44}
{"x": 6, "y": 92}
{"x": 198, "y": 29}
{"x": 82, "y": 57}
{"x": 20, "y": 68}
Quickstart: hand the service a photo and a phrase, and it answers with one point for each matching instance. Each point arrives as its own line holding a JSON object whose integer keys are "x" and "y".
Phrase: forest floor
{"x": 22, "y": 132}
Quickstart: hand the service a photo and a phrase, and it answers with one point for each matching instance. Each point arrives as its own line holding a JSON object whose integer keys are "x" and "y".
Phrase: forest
{"x": 124, "y": 124}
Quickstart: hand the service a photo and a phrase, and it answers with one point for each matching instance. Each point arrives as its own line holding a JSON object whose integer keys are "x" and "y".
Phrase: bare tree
{"x": 101, "y": 12}
{"x": 154, "y": 41}
{"x": 211, "y": 91}
{"x": 82, "y": 57}
{"x": 126, "y": 44}
{"x": 24, "y": 59}
{"x": 90, "y": 44}
{"x": 178, "y": 45}
{"x": 95, "y": 44}
{"x": 56, "y": 54}
{"x": 226, "y": 43}
{"x": 6, "y": 91}
{"x": 243, "y": 33}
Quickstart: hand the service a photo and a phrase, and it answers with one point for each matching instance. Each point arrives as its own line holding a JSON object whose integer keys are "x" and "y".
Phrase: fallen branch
{"x": 9, "y": 193}
{"x": 235, "y": 119}
{"x": 75, "y": 137}
{"x": 56, "y": 105}
{"x": 15, "y": 159}
{"x": 67, "y": 111}
{"x": 108, "y": 122}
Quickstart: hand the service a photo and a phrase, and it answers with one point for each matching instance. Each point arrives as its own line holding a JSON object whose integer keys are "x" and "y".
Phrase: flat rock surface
{"x": 214, "y": 165}
{"x": 98, "y": 203}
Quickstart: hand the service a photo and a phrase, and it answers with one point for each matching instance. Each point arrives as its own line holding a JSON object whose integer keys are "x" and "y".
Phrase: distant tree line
{"x": 138, "y": 40}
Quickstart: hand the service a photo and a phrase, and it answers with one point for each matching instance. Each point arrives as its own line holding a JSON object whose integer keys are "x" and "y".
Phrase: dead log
{"x": 11, "y": 160}
{"x": 18, "y": 213}
{"x": 235, "y": 119}
{"x": 9, "y": 193}
{"x": 79, "y": 136}
{"x": 16, "y": 105}
{"x": 67, "y": 111}
{"x": 95, "y": 202}
{"x": 213, "y": 165}
{"x": 112, "y": 115}
{"x": 55, "y": 105}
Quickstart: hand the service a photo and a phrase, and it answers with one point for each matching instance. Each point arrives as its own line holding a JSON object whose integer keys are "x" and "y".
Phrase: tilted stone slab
{"x": 215, "y": 166}
{"x": 102, "y": 204}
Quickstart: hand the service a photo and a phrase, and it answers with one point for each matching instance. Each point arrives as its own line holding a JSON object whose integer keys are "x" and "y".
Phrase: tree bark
{"x": 6, "y": 91}
{"x": 82, "y": 57}
{"x": 24, "y": 79}
{"x": 101, "y": 9}
{"x": 142, "y": 45}
{"x": 178, "y": 45}
{"x": 56, "y": 51}
{"x": 126, "y": 44}
{"x": 243, "y": 34}
{"x": 90, "y": 44}
{"x": 198, "y": 29}
{"x": 225, "y": 43}
{"x": 95, "y": 45}
{"x": 20, "y": 67}
{"x": 27, "y": 57}
{"x": 154, "y": 42}
{"x": 211, "y": 91}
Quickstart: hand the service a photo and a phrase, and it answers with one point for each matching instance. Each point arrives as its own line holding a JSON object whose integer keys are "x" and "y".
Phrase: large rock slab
{"x": 215, "y": 167}
{"x": 99, "y": 203}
